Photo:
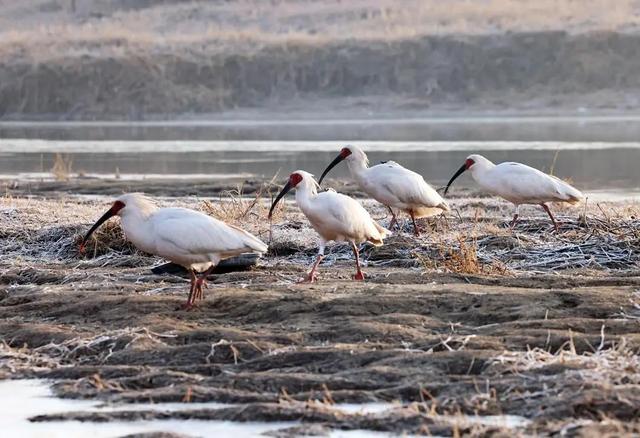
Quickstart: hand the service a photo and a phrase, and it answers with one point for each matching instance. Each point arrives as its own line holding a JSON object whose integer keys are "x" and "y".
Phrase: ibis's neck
{"x": 357, "y": 168}
{"x": 137, "y": 228}
{"x": 306, "y": 191}
{"x": 481, "y": 170}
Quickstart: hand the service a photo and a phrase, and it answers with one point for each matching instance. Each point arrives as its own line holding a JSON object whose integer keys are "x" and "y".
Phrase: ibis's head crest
{"x": 353, "y": 153}
{"x": 138, "y": 202}
{"x": 476, "y": 161}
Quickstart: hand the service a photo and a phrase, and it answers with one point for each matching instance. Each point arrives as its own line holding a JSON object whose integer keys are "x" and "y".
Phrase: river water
{"x": 595, "y": 153}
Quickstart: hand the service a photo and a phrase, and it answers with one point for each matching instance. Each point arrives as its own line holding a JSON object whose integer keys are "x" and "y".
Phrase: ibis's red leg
{"x": 359, "y": 275}
{"x": 546, "y": 208}
{"x": 394, "y": 220}
{"x": 515, "y": 217}
{"x": 202, "y": 282}
{"x": 311, "y": 277}
{"x": 416, "y": 230}
{"x": 192, "y": 290}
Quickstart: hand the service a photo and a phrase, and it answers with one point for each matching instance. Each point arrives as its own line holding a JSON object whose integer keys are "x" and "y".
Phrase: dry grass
{"x": 61, "y": 169}
{"x": 617, "y": 365}
{"x": 464, "y": 258}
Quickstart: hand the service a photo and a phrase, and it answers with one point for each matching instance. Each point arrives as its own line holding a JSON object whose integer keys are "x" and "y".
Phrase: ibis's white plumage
{"x": 395, "y": 186}
{"x": 336, "y": 216}
{"x": 398, "y": 187}
{"x": 521, "y": 184}
{"x": 183, "y": 236}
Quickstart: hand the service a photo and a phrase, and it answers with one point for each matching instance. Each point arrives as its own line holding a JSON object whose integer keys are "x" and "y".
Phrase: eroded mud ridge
{"x": 456, "y": 324}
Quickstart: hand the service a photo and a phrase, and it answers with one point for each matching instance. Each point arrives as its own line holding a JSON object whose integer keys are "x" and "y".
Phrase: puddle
{"x": 366, "y": 408}
{"x": 22, "y": 399}
{"x": 502, "y": 421}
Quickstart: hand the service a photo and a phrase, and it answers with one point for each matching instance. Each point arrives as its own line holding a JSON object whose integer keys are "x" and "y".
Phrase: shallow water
{"x": 588, "y": 165}
{"x": 22, "y": 399}
{"x": 582, "y": 126}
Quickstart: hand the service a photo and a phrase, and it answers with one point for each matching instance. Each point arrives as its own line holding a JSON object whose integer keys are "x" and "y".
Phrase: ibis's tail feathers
{"x": 251, "y": 241}
{"x": 382, "y": 233}
{"x": 421, "y": 212}
{"x": 567, "y": 192}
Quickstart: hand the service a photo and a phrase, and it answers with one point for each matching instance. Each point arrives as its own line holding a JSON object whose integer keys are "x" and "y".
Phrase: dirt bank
{"x": 522, "y": 71}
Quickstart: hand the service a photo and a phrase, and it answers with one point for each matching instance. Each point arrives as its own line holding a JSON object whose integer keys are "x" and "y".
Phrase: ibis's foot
{"x": 311, "y": 277}
{"x": 186, "y": 306}
{"x": 359, "y": 276}
{"x": 200, "y": 285}
{"x": 200, "y": 293}
{"x": 416, "y": 230}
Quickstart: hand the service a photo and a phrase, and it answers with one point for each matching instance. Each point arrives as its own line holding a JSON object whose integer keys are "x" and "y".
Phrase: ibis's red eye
{"x": 469, "y": 163}
{"x": 295, "y": 179}
{"x": 345, "y": 152}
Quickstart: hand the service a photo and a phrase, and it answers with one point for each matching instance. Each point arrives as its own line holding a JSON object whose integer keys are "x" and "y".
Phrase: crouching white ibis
{"x": 334, "y": 216}
{"x": 185, "y": 237}
{"x": 392, "y": 185}
{"x": 518, "y": 184}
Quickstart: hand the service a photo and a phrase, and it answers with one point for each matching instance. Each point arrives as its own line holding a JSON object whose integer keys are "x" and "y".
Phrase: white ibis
{"x": 392, "y": 185}
{"x": 334, "y": 216}
{"x": 518, "y": 184}
{"x": 185, "y": 237}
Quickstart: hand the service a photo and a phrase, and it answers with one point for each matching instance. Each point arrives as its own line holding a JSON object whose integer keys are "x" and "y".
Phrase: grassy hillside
{"x": 137, "y": 59}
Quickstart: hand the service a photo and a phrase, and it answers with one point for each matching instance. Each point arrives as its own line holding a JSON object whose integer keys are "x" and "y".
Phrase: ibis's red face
{"x": 114, "y": 210}
{"x": 116, "y": 207}
{"x": 468, "y": 163}
{"x": 294, "y": 179}
{"x": 345, "y": 152}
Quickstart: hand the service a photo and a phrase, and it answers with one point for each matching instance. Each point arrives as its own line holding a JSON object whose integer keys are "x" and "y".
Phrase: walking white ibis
{"x": 518, "y": 184}
{"x": 392, "y": 185}
{"x": 185, "y": 237}
{"x": 334, "y": 216}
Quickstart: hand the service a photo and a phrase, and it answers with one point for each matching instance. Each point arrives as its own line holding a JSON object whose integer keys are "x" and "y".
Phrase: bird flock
{"x": 199, "y": 242}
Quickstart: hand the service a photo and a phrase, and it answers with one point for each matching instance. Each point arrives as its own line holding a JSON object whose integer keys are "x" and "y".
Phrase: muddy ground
{"x": 472, "y": 318}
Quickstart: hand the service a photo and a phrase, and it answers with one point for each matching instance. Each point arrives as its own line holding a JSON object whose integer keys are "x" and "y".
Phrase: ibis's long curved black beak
{"x": 283, "y": 192}
{"x": 333, "y": 164}
{"x": 109, "y": 214}
{"x": 453, "y": 178}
